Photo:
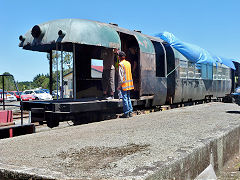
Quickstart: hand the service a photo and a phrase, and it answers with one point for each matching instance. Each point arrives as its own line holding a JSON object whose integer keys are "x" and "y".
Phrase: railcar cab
{"x": 86, "y": 40}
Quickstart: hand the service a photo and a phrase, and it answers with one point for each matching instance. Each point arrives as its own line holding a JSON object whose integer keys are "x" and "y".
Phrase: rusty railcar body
{"x": 160, "y": 66}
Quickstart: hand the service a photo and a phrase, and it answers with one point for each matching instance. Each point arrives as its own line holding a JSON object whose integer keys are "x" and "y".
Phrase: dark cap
{"x": 121, "y": 54}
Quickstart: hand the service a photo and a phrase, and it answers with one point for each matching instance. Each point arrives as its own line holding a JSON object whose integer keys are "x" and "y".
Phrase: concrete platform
{"x": 172, "y": 144}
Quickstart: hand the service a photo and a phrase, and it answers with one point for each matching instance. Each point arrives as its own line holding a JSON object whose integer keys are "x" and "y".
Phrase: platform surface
{"x": 117, "y": 149}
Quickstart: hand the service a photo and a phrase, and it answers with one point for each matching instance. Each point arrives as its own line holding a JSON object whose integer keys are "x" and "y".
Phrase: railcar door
{"x": 130, "y": 46}
{"x": 171, "y": 73}
{"x": 160, "y": 73}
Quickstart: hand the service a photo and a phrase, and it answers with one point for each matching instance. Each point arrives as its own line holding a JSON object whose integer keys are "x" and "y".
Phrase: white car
{"x": 39, "y": 94}
{"x": 7, "y": 97}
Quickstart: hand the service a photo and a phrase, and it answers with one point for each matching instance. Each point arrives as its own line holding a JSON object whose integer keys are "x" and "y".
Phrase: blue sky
{"x": 210, "y": 24}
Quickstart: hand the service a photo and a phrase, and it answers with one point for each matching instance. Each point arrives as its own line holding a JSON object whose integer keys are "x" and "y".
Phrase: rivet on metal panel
{"x": 113, "y": 24}
{"x": 138, "y": 31}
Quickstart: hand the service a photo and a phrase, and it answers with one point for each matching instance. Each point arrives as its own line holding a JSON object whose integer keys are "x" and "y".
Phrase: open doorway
{"x": 130, "y": 46}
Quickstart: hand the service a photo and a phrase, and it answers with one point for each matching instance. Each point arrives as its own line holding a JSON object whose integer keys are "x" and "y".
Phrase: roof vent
{"x": 114, "y": 24}
{"x": 138, "y": 31}
{"x": 61, "y": 33}
{"x": 22, "y": 38}
{"x": 37, "y": 31}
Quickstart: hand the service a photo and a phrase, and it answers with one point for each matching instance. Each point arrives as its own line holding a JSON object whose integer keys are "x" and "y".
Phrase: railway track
{"x": 137, "y": 111}
{"x": 17, "y": 115}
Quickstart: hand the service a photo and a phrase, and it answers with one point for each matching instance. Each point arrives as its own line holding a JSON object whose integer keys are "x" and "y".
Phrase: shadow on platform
{"x": 233, "y": 112}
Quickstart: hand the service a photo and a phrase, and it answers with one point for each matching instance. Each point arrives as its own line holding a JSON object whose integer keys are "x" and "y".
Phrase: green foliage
{"x": 8, "y": 82}
{"x": 25, "y": 85}
{"x": 67, "y": 58}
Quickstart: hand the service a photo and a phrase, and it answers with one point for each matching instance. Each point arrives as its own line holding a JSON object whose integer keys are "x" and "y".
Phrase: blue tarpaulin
{"x": 195, "y": 53}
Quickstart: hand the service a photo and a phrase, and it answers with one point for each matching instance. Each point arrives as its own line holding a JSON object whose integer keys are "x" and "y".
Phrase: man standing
{"x": 125, "y": 84}
{"x": 108, "y": 74}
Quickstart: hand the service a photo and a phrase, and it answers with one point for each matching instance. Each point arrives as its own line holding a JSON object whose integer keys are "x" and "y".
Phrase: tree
{"x": 41, "y": 81}
{"x": 8, "y": 82}
{"x": 67, "y": 58}
{"x": 67, "y": 65}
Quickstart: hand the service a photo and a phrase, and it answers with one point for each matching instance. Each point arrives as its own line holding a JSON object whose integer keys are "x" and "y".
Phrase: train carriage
{"x": 164, "y": 74}
{"x": 192, "y": 81}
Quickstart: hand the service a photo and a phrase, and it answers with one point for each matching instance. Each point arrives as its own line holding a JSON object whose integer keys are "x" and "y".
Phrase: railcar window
{"x": 96, "y": 68}
{"x": 224, "y": 73}
{"x": 204, "y": 71}
{"x": 219, "y": 72}
{"x": 209, "y": 71}
{"x": 183, "y": 69}
{"x": 191, "y": 70}
{"x": 215, "y": 75}
{"x": 228, "y": 73}
{"x": 198, "y": 71}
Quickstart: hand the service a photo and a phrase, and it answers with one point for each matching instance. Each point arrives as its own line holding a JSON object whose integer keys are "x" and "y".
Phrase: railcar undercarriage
{"x": 78, "y": 111}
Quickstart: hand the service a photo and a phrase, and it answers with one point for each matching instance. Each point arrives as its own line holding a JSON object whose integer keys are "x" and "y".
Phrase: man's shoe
{"x": 130, "y": 114}
{"x": 110, "y": 98}
{"x": 125, "y": 116}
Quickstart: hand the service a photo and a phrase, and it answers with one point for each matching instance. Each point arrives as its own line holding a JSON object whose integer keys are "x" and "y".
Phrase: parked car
{"x": 39, "y": 94}
{"x": 237, "y": 90}
{"x": 46, "y": 91}
{"x": 27, "y": 97}
{"x": 16, "y": 94}
{"x": 7, "y": 97}
{"x": 55, "y": 93}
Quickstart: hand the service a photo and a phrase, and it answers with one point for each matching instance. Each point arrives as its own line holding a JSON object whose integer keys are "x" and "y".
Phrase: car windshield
{"x": 39, "y": 91}
{"x": 27, "y": 92}
{"x": 46, "y": 90}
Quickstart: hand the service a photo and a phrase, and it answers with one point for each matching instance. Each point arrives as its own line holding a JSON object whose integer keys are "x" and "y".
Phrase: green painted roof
{"x": 145, "y": 44}
{"x": 76, "y": 31}
{"x": 82, "y": 31}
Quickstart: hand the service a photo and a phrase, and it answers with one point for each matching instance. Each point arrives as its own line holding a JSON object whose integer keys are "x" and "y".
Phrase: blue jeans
{"x": 127, "y": 104}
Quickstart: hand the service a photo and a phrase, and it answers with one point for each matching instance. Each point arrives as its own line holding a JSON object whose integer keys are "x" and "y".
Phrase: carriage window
{"x": 160, "y": 59}
{"x": 209, "y": 71}
{"x": 219, "y": 72}
{"x": 191, "y": 70}
{"x": 198, "y": 72}
{"x": 204, "y": 71}
{"x": 96, "y": 68}
{"x": 183, "y": 69}
{"x": 215, "y": 76}
{"x": 224, "y": 73}
{"x": 228, "y": 73}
